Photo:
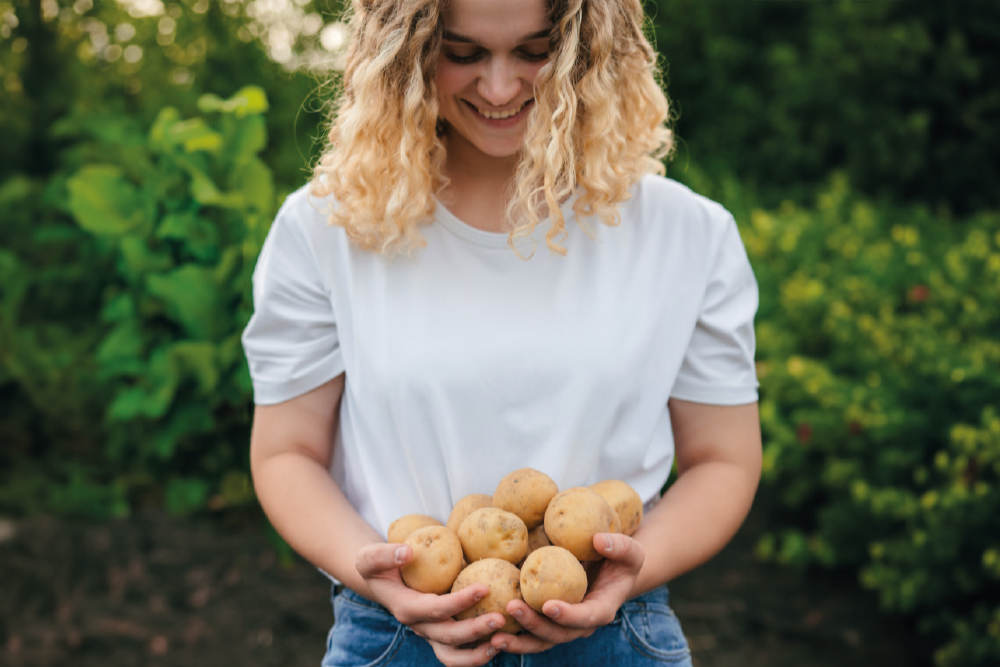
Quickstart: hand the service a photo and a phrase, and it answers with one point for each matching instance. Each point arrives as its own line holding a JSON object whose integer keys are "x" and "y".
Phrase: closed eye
{"x": 478, "y": 55}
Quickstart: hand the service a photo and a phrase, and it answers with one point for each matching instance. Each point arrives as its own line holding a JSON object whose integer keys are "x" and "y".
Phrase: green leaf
{"x": 139, "y": 259}
{"x": 120, "y": 353}
{"x": 160, "y": 131}
{"x": 192, "y": 298}
{"x": 118, "y": 308}
{"x": 103, "y": 202}
{"x": 257, "y": 185}
{"x": 199, "y": 236}
{"x": 185, "y": 495}
{"x": 249, "y": 138}
{"x": 200, "y": 360}
{"x": 246, "y": 101}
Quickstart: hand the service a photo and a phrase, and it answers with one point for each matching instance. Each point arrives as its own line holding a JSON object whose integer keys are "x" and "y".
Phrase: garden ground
{"x": 155, "y": 590}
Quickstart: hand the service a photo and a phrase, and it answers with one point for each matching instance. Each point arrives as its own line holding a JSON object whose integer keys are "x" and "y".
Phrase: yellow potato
{"x": 404, "y": 525}
{"x": 437, "y": 560}
{"x": 504, "y": 581}
{"x": 573, "y": 518}
{"x": 492, "y": 533}
{"x": 623, "y": 500}
{"x": 537, "y": 539}
{"x": 525, "y": 492}
{"x": 552, "y": 573}
{"x": 467, "y": 506}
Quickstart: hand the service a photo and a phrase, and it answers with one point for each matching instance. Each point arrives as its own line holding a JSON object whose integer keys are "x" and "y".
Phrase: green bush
{"x": 898, "y": 95}
{"x": 174, "y": 219}
{"x": 878, "y": 353}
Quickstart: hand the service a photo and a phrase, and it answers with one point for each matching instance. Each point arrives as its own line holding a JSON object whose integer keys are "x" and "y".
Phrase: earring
{"x": 440, "y": 127}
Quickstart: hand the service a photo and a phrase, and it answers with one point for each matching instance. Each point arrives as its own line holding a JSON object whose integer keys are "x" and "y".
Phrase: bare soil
{"x": 212, "y": 591}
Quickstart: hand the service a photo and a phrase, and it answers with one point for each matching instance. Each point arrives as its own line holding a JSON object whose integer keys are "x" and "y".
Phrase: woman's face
{"x": 491, "y": 52}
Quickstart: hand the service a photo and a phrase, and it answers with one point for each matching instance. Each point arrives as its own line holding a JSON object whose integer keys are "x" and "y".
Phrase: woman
{"x": 487, "y": 273}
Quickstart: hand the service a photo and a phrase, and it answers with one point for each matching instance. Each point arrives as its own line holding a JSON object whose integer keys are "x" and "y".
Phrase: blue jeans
{"x": 645, "y": 632}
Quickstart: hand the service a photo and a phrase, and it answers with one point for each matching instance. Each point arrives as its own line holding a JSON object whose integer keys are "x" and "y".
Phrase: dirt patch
{"x": 155, "y": 590}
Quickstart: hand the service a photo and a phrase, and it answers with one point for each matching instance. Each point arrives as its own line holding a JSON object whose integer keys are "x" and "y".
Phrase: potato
{"x": 573, "y": 518}
{"x": 552, "y": 573}
{"x": 623, "y": 500}
{"x": 467, "y": 506}
{"x": 492, "y": 533}
{"x": 537, "y": 539}
{"x": 404, "y": 525}
{"x": 525, "y": 492}
{"x": 504, "y": 581}
{"x": 437, "y": 560}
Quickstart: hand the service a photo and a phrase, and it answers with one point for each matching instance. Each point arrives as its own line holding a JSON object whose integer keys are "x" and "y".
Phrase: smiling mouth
{"x": 499, "y": 115}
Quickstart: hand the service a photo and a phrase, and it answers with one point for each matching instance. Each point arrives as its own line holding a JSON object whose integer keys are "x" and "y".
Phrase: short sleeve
{"x": 291, "y": 342}
{"x": 718, "y": 366}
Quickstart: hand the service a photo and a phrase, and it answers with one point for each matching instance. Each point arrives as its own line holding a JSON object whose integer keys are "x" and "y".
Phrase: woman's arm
{"x": 290, "y": 448}
{"x": 718, "y": 450}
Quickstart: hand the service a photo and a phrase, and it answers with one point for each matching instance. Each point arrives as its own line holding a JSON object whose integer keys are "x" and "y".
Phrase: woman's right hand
{"x": 428, "y": 615}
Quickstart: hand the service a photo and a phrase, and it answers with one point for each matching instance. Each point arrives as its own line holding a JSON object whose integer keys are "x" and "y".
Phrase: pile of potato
{"x": 526, "y": 541}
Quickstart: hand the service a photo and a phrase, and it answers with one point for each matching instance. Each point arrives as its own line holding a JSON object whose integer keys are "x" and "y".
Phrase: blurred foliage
{"x": 168, "y": 225}
{"x": 900, "y": 96}
{"x": 878, "y": 353}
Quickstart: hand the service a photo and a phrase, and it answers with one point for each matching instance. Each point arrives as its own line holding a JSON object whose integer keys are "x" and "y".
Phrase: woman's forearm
{"x": 311, "y": 513}
{"x": 694, "y": 520}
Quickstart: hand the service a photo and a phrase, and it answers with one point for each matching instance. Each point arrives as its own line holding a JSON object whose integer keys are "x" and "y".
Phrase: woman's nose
{"x": 499, "y": 84}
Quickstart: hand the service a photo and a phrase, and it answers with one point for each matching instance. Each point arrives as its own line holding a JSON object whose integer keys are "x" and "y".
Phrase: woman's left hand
{"x": 563, "y": 622}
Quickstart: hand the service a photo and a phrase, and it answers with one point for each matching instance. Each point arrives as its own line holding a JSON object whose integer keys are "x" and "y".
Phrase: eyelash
{"x": 466, "y": 60}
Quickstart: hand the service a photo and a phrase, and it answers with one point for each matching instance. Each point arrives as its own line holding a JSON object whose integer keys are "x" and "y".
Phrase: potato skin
{"x": 537, "y": 539}
{"x": 573, "y": 518}
{"x": 552, "y": 573}
{"x": 624, "y": 500}
{"x": 467, "y": 506}
{"x": 493, "y": 533}
{"x": 504, "y": 580}
{"x": 437, "y": 560}
{"x": 525, "y": 492}
{"x": 404, "y": 525}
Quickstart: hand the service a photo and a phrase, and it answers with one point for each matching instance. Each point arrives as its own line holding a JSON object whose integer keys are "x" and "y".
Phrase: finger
{"x": 375, "y": 559}
{"x": 432, "y": 608}
{"x": 587, "y": 615}
{"x": 459, "y": 633}
{"x": 620, "y": 548}
{"x": 461, "y": 657}
{"x": 538, "y": 625}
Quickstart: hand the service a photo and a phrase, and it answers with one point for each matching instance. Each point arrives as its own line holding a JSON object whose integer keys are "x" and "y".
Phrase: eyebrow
{"x": 455, "y": 37}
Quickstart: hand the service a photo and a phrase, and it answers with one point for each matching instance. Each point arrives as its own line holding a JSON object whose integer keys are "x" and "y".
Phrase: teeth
{"x": 500, "y": 115}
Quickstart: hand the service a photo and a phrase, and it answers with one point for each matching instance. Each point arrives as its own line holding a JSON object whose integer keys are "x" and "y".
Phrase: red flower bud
{"x": 919, "y": 293}
{"x": 804, "y": 433}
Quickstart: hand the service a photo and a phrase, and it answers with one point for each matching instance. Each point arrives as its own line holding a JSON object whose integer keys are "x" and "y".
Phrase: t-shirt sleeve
{"x": 718, "y": 366}
{"x": 291, "y": 342}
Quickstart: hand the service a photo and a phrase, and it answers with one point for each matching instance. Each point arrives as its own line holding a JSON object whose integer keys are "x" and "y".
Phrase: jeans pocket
{"x": 654, "y": 631}
{"x": 363, "y": 635}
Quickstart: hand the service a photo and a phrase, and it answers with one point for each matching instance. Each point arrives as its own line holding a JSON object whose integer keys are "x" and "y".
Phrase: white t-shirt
{"x": 464, "y": 362}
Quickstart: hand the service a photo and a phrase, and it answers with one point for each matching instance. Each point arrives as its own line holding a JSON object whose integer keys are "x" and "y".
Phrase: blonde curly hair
{"x": 599, "y": 123}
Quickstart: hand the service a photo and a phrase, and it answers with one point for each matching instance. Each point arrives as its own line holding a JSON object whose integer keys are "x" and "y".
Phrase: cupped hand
{"x": 563, "y": 622}
{"x": 455, "y": 643}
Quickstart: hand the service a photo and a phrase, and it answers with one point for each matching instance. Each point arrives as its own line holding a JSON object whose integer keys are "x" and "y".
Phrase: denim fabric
{"x": 645, "y": 632}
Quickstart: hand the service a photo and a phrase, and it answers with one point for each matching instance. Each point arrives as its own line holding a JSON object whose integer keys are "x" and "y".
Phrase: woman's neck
{"x": 476, "y": 193}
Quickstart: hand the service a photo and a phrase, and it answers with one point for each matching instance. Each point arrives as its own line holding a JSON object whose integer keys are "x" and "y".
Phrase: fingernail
{"x": 493, "y": 625}
{"x": 517, "y": 613}
{"x": 554, "y": 612}
{"x": 479, "y": 596}
{"x": 503, "y": 647}
{"x": 608, "y": 543}
{"x": 400, "y": 554}
{"x": 491, "y": 651}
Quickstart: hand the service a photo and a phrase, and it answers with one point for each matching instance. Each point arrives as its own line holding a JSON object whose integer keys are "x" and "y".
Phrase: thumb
{"x": 621, "y": 548}
{"x": 374, "y": 559}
